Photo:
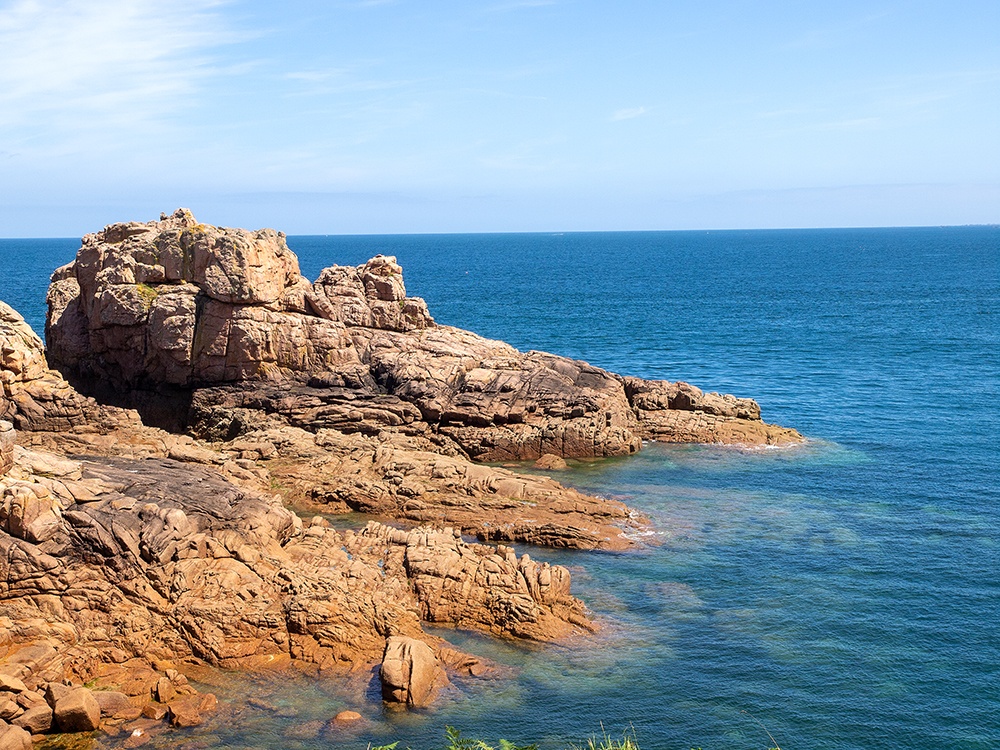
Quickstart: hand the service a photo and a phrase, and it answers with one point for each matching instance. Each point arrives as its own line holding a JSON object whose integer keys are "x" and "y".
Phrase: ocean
{"x": 842, "y": 595}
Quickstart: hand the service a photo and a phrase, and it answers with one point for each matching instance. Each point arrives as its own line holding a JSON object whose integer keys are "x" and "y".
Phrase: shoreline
{"x": 348, "y": 397}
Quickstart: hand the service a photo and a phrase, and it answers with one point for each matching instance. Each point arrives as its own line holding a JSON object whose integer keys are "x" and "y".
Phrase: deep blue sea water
{"x": 846, "y": 593}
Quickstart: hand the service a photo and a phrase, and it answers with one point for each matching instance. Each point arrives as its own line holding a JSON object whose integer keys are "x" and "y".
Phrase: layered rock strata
{"x": 400, "y": 477}
{"x": 222, "y": 320}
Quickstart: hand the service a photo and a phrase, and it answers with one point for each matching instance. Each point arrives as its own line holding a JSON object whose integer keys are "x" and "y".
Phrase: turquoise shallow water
{"x": 845, "y": 593}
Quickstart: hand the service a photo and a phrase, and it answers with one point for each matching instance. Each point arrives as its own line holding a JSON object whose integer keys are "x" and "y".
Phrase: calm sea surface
{"x": 845, "y": 593}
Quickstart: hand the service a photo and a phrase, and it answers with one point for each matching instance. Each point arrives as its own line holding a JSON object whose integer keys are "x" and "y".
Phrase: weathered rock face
{"x": 370, "y": 296}
{"x": 6, "y": 447}
{"x": 165, "y": 560}
{"x": 175, "y": 302}
{"x": 224, "y": 316}
{"x": 509, "y": 596}
{"x": 37, "y": 398}
{"x": 410, "y": 673}
{"x": 369, "y": 467}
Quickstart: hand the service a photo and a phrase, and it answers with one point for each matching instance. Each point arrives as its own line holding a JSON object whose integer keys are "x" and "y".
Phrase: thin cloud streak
{"x": 628, "y": 114}
{"x": 103, "y": 60}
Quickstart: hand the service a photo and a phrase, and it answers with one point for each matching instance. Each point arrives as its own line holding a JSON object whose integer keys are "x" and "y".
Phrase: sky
{"x": 399, "y": 116}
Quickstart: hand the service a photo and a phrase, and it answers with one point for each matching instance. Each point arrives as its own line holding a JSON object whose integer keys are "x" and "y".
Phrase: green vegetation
{"x": 148, "y": 294}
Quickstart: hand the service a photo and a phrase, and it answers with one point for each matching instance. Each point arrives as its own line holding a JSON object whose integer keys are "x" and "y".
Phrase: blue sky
{"x": 386, "y": 116}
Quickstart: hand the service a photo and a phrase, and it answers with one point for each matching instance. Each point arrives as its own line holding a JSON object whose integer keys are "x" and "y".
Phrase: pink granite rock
{"x": 34, "y": 397}
{"x": 223, "y": 317}
{"x": 410, "y": 672}
{"x": 6, "y": 447}
{"x": 77, "y": 711}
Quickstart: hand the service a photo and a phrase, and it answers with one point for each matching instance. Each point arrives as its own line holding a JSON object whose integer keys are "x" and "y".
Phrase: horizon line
{"x": 989, "y": 224}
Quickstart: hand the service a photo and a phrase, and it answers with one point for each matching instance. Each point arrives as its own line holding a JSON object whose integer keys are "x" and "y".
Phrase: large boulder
{"x": 410, "y": 673}
{"x": 36, "y": 720}
{"x": 77, "y": 711}
{"x": 14, "y": 738}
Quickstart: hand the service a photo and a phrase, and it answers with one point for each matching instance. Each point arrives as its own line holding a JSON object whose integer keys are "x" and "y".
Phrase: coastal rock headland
{"x": 146, "y": 522}
{"x": 222, "y": 320}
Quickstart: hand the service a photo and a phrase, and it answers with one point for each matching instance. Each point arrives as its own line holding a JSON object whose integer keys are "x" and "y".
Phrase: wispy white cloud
{"x": 97, "y": 63}
{"x": 326, "y": 83}
{"x": 315, "y": 76}
{"x": 628, "y": 114}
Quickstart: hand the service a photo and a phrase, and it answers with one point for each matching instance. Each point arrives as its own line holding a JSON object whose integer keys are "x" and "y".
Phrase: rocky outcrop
{"x": 681, "y": 413}
{"x": 175, "y": 302}
{"x": 130, "y": 547}
{"x": 421, "y": 477}
{"x": 487, "y": 588}
{"x": 166, "y": 560}
{"x": 222, "y": 320}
